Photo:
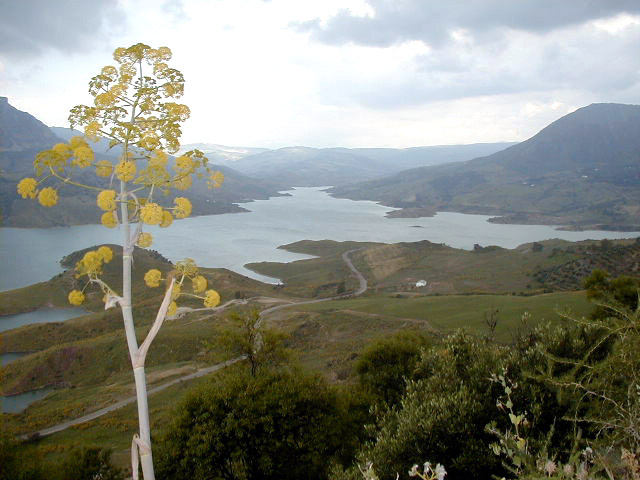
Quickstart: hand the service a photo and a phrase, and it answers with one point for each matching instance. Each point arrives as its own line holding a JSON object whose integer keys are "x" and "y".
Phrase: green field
{"x": 449, "y": 312}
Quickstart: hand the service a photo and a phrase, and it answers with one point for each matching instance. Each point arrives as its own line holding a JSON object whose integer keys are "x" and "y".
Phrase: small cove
{"x": 17, "y": 403}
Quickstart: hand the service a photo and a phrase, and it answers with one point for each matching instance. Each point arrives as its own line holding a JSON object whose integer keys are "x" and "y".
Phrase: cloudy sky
{"x": 394, "y": 73}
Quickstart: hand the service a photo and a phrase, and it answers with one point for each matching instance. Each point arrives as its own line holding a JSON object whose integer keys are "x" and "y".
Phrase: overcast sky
{"x": 354, "y": 73}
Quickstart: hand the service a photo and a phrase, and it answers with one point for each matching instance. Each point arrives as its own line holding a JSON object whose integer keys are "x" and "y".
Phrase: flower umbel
{"x": 48, "y": 197}
{"x": 27, "y": 187}
{"x": 106, "y": 200}
{"x": 152, "y": 278}
{"x": 76, "y": 297}
{"x": 212, "y": 298}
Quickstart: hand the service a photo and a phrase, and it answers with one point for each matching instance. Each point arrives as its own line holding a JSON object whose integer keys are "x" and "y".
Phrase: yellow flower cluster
{"x": 152, "y": 278}
{"x": 83, "y": 156}
{"x": 76, "y": 297}
{"x": 158, "y": 159}
{"x": 173, "y": 308}
{"x": 216, "y": 179}
{"x": 149, "y": 141}
{"x": 82, "y": 153}
{"x": 106, "y": 200}
{"x": 182, "y": 207}
{"x": 167, "y": 219}
{"x": 109, "y": 219}
{"x": 104, "y": 168}
{"x": 183, "y": 183}
{"x": 199, "y": 284}
{"x": 27, "y": 187}
{"x": 144, "y": 240}
{"x": 63, "y": 150}
{"x": 126, "y": 170}
{"x": 151, "y": 214}
{"x": 177, "y": 290}
{"x": 105, "y": 253}
{"x": 187, "y": 268}
{"x": 92, "y": 130}
{"x": 48, "y": 197}
{"x": 185, "y": 163}
{"x": 92, "y": 261}
{"x": 212, "y": 298}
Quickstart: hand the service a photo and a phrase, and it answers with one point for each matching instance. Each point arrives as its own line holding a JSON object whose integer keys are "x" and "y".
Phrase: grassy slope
{"x": 326, "y": 336}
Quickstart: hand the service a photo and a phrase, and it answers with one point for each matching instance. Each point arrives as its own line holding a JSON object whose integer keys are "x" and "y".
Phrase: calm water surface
{"x": 43, "y": 315}
{"x": 17, "y": 403}
{"x": 232, "y": 240}
{"x": 7, "y": 358}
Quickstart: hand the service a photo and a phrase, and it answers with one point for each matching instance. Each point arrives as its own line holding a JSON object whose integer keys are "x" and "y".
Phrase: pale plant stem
{"x": 146, "y": 458}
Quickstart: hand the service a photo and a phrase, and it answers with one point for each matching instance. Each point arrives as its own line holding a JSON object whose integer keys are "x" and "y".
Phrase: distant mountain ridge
{"x": 311, "y": 167}
{"x": 581, "y": 170}
{"x": 221, "y": 154}
{"x": 21, "y": 131}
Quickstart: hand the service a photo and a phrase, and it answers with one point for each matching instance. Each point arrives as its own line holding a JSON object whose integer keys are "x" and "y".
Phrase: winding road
{"x": 203, "y": 371}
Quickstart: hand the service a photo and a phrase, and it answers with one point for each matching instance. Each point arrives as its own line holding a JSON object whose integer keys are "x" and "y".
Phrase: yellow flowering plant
{"x": 135, "y": 109}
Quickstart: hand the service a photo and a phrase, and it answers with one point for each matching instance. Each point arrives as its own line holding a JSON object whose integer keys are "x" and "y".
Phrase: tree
{"x": 134, "y": 109}
{"x": 246, "y": 335}
{"x": 278, "y": 425}
{"x": 621, "y": 291}
{"x": 386, "y": 365}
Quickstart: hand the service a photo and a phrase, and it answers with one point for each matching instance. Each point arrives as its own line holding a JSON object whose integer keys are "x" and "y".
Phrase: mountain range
{"x": 581, "y": 171}
{"x": 310, "y": 167}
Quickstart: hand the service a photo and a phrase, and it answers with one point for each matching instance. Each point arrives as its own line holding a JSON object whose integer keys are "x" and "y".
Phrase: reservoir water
{"x": 17, "y": 403}
{"x": 43, "y": 315}
{"x": 232, "y": 240}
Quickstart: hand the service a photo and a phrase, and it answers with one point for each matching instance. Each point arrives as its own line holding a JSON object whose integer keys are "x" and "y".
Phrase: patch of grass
{"x": 447, "y": 313}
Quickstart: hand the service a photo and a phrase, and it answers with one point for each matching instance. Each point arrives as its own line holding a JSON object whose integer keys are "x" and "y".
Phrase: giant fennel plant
{"x": 134, "y": 109}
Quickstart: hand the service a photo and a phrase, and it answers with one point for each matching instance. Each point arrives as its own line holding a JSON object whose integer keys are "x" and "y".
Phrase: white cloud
{"x": 254, "y": 80}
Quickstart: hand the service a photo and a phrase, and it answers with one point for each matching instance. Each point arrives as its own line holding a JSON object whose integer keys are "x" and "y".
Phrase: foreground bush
{"x": 278, "y": 425}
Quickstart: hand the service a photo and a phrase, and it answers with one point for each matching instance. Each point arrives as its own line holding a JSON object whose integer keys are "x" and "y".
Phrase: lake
{"x": 232, "y": 240}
